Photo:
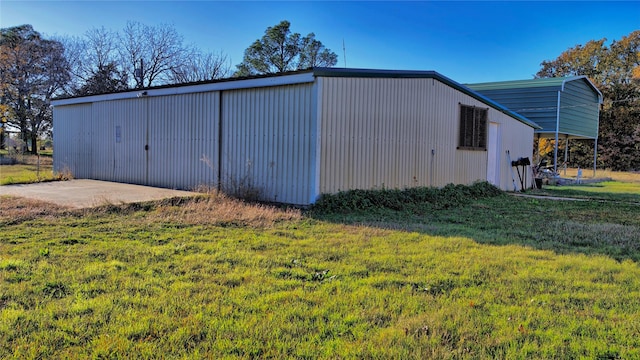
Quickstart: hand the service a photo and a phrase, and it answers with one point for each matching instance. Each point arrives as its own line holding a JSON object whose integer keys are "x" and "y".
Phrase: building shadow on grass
{"x": 580, "y": 227}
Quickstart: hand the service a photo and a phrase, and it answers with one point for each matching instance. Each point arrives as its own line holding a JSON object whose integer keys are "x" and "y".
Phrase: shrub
{"x": 64, "y": 175}
{"x": 438, "y": 198}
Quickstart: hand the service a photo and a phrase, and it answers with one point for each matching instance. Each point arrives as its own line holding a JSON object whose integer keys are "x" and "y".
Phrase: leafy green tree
{"x": 615, "y": 70}
{"x": 106, "y": 79}
{"x": 32, "y": 71}
{"x": 279, "y": 50}
{"x": 314, "y": 54}
{"x": 589, "y": 60}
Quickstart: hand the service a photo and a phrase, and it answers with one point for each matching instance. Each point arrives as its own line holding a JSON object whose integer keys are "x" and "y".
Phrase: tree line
{"x": 615, "y": 71}
{"x": 34, "y": 69}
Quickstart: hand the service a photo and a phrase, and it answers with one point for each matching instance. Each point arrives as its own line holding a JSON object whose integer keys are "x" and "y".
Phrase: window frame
{"x": 475, "y": 120}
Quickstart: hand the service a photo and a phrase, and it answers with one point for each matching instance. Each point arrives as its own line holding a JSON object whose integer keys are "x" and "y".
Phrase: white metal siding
{"x": 183, "y": 140}
{"x": 380, "y": 132}
{"x": 287, "y": 143}
{"x": 267, "y": 142}
{"x": 106, "y": 140}
{"x": 518, "y": 139}
{"x": 72, "y": 139}
{"x": 103, "y": 142}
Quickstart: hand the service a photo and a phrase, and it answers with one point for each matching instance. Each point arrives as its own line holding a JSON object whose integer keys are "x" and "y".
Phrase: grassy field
{"x": 604, "y": 191}
{"x": 493, "y": 277}
{"x": 625, "y": 186}
{"x": 24, "y": 174}
{"x": 603, "y": 173}
{"x": 27, "y": 170}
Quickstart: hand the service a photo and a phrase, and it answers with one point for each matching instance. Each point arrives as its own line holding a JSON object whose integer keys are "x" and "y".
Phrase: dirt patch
{"x": 14, "y": 210}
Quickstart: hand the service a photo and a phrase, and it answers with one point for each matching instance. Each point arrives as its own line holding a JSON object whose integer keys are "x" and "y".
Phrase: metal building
{"x": 291, "y": 137}
{"x": 565, "y": 107}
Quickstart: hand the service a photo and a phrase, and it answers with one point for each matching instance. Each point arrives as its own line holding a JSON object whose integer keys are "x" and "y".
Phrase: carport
{"x": 565, "y": 107}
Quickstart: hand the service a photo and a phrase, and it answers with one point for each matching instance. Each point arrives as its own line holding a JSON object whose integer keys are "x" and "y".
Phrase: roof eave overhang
{"x": 297, "y": 78}
{"x": 370, "y": 73}
{"x": 551, "y": 134}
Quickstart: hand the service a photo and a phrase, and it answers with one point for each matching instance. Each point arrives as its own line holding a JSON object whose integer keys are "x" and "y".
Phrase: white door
{"x": 493, "y": 161}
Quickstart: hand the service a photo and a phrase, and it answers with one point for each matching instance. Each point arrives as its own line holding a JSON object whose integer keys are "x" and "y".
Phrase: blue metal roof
{"x": 566, "y": 105}
{"x": 555, "y": 82}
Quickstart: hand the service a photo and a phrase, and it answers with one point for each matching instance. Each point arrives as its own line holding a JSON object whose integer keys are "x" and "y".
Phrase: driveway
{"x": 83, "y": 193}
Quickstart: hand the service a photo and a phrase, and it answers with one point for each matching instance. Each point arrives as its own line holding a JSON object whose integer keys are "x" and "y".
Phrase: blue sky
{"x": 467, "y": 41}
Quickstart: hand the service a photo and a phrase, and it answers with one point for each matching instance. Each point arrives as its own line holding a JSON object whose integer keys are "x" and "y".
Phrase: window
{"x": 473, "y": 128}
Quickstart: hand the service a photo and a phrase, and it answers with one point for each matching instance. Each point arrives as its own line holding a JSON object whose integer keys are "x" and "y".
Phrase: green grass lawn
{"x": 25, "y": 173}
{"x": 28, "y": 169}
{"x": 47, "y": 152}
{"x": 609, "y": 190}
{"x": 496, "y": 277}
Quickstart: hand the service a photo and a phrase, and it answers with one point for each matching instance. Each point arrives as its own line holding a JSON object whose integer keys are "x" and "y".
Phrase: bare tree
{"x": 201, "y": 67}
{"x": 150, "y": 53}
{"x": 102, "y": 46}
{"x": 95, "y": 63}
{"x": 138, "y": 56}
{"x": 74, "y": 53}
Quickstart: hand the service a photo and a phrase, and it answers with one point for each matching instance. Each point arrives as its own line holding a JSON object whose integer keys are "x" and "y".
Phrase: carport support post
{"x": 595, "y": 156}
{"x": 566, "y": 154}
{"x": 537, "y": 149}
{"x": 555, "y": 148}
{"x": 555, "y": 154}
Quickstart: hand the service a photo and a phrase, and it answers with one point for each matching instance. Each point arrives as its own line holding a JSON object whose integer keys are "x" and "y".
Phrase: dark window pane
{"x": 473, "y": 128}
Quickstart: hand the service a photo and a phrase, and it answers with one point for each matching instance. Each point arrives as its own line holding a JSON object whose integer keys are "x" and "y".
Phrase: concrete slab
{"x": 84, "y": 193}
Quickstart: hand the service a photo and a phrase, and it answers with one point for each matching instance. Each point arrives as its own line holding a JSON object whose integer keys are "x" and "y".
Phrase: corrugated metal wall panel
{"x": 120, "y": 136}
{"x": 380, "y": 132}
{"x": 104, "y": 142}
{"x": 73, "y": 140}
{"x": 579, "y": 109}
{"x": 183, "y": 140}
{"x": 517, "y": 138}
{"x": 266, "y": 142}
{"x": 370, "y": 133}
{"x": 539, "y": 104}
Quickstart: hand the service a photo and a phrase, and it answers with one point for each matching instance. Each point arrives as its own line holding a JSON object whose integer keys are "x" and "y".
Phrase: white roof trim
{"x": 189, "y": 89}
